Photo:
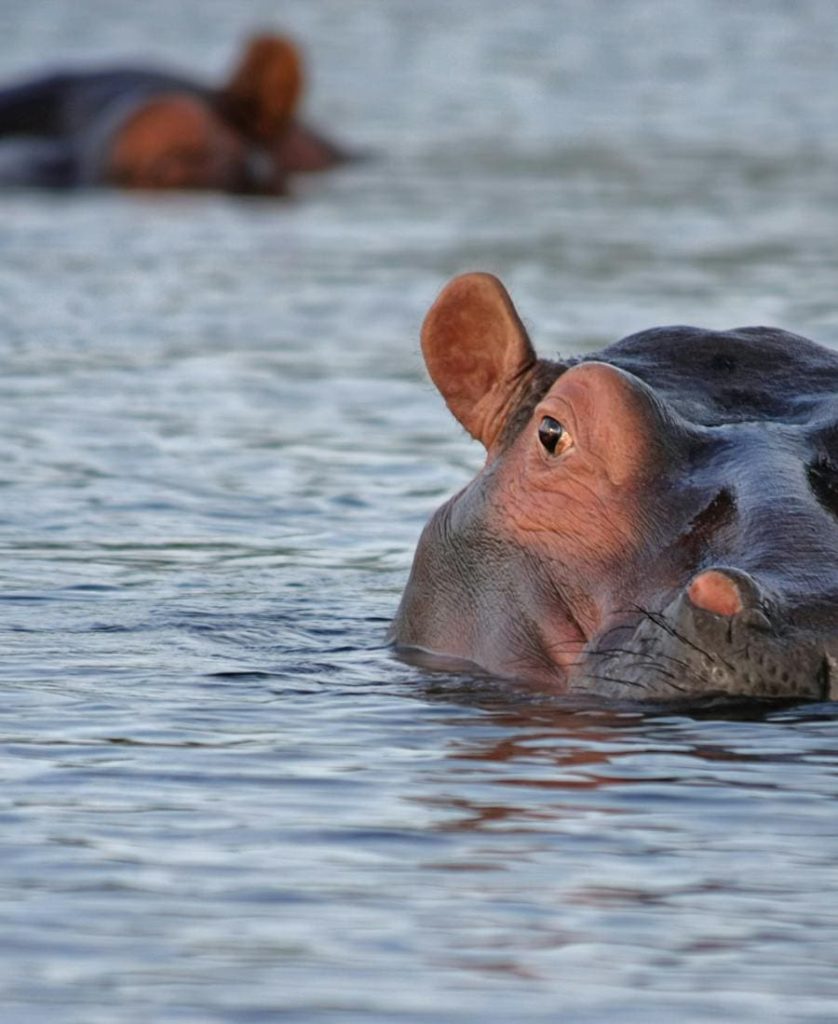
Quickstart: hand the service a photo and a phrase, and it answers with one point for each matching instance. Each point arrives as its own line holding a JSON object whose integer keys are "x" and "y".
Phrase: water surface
{"x": 223, "y": 799}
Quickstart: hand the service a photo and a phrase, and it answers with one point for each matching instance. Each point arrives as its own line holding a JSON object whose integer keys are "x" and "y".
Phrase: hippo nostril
{"x": 716, "y": 592}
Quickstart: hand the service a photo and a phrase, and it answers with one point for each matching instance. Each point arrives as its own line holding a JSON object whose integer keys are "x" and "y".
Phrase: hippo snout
{"x": 724, "y": 635}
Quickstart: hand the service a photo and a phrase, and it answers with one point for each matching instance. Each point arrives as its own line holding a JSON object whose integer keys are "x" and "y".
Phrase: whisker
{"x": 616, "y": 679}
{"x": 660, "y": 620}
{"x": 623, "y": 650}
{"x": 642, "y": 662}
{"x": 615, "y": 629}
{"x": 648, "y": 663}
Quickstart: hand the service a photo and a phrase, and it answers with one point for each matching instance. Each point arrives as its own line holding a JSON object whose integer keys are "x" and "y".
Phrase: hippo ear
{"x": 477, "y": 352}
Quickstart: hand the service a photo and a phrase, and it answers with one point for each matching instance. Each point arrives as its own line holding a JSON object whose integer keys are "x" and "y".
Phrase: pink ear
{"x": 477, "y": 352}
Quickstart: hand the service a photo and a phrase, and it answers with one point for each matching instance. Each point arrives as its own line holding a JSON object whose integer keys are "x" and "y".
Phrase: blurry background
{"x": 222, "y": 799}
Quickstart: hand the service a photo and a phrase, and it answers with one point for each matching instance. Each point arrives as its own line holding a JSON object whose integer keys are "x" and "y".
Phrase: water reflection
{"x": 579, "y": 827}
{"x": 554, "y": 759}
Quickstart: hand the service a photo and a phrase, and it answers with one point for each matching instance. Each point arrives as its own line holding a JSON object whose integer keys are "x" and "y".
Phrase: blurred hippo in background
{"x": 141, "y": 128}
{"x": 658, "y": 520}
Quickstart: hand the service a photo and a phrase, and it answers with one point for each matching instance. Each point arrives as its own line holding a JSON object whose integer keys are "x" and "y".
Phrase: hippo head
{"x": 175, "y": 141}
{"x": 658, "y": 520}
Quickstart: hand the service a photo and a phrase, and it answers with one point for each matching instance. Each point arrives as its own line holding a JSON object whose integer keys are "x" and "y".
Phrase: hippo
{"x": 137, "y": 127}
{"x": 654, "y": 521}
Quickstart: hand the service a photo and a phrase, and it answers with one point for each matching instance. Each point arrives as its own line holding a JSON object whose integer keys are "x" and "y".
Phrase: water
{"x": 222, "y": 799}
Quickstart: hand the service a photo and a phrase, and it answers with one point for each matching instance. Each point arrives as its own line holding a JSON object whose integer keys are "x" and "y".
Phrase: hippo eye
{"x": 553, "y": 435}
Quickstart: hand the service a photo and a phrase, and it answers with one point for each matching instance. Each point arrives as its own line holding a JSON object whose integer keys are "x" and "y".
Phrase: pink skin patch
{"x": 715, "y": 592}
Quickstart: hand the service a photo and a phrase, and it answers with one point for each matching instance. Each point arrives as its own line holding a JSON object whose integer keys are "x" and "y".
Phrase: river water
{"x": 223, "y": 800}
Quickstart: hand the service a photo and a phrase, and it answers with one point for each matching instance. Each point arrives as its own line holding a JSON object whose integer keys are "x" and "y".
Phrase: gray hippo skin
{"x": 658, "y": 520}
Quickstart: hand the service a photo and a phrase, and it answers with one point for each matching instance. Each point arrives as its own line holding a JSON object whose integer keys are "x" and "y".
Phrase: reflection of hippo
{"x": 144, "y": 129}
{"x": 658, "y": 520}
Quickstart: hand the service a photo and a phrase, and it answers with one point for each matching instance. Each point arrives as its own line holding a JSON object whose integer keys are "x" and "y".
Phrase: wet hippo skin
{"x": 653, "y": 521}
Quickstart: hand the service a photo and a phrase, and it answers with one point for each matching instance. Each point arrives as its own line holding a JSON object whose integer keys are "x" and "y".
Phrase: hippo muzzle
{"x": 656, "y": 521}
{"x": 719, "y": 637}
